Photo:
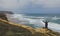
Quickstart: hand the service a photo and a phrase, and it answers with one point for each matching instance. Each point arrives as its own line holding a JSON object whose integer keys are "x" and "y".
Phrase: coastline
{"x": 27, "y": 29}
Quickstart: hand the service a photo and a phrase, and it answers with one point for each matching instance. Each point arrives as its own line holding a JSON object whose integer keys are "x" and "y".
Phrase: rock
{"x": 6, "y": 12}
{"x": 12, "y": 29}
{"x": 3, "y": 14}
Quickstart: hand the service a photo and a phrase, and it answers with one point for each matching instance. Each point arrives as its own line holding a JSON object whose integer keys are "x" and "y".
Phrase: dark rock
{"x": 6, "y": 12}
{"x": 3, "y": 14}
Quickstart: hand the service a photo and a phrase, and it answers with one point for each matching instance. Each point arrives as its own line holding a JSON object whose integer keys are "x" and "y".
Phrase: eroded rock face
{"x": 12, "y": 29}
{"x": 9, "y": 29}
{"x": 3, "y": 14}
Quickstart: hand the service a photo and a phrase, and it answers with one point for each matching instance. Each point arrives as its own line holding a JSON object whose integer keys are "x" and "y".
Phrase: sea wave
{"x": 54, "y": 26}
{"x": 37, "y": 21}
{"x": 55, "y": 18}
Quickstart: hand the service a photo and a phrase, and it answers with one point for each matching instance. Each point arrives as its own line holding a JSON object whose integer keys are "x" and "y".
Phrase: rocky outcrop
{"x": 46, "y": 32}
{"x": 3, "y": 14}
{"x": 12, "y": 29}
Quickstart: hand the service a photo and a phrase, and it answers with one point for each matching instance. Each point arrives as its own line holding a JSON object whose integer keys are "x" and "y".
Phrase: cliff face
{"x": 46, "y": 32}
{"x": 3, "y": 14}
{"x": 12, "y": 29}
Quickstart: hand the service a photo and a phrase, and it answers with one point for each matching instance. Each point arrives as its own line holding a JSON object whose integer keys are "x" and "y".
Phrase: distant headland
{"x": 3, "y": 14}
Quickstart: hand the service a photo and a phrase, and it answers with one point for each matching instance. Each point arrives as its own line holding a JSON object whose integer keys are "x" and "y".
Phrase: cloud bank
{"x": 11, "y": 4}
{"x": 48, "y": 3}
{"x": 21, "y": 4}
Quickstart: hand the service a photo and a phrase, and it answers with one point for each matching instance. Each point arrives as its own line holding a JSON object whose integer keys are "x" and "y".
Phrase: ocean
{"x": 36, "y": 20}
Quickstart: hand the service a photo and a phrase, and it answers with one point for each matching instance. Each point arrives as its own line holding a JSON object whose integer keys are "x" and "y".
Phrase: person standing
{"x": 46, "y": 23}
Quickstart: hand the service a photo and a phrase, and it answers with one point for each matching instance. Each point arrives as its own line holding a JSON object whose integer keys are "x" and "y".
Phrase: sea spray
{"x": 35, "y": 21}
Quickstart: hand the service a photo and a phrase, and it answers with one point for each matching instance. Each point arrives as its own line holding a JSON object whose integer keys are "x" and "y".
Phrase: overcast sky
{"x": 31, "y": 6}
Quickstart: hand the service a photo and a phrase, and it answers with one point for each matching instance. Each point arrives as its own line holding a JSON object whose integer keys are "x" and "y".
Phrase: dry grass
{"x": 13, "y": 29}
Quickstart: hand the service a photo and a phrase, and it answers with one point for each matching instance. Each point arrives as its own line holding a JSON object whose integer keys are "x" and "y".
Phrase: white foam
{"x": 55, "y": 18}
{"x": 54, "y": 26}
{"x": 19, "y": 18}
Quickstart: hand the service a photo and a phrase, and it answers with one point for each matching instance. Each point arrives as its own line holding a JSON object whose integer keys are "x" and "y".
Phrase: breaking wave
{"x": 36, "y": 21}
